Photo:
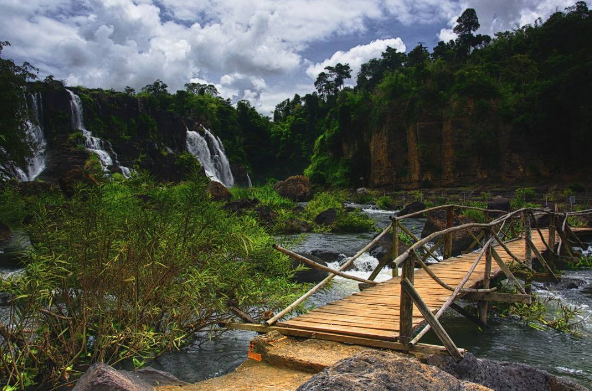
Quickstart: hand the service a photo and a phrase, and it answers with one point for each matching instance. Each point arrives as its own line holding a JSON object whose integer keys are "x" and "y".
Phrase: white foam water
{"x": 209, "y": 151}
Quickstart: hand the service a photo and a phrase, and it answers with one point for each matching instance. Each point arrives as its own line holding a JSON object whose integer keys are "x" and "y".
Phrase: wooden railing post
{"x": 395, "y": 246}
{"x": 486, "y": 280}
{"x": 449, "y": 224}
{"x": 406, "y": 303}
{"x": 527, "y": 237}
{"x": 552, "y": 228}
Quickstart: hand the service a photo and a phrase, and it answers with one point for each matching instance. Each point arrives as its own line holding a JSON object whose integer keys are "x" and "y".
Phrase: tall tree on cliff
{"x": 329, "y": 83}
{"x": 15, "y": 145}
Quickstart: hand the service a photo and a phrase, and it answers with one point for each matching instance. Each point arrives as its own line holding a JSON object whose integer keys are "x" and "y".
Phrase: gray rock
{"x": 102, "y": 377}
{"x": 5, "y": 232}
{"x": 384, "y": 371}
{"x": 412, "y": 208}
{"x": 461, "y": 240}
{"x": 499, "y": 203}
{"x": 327, "y": 217}
{"x": 310, "y": 275}
{"x": 503, "y": 376}
{"x": 384, "y": 246}
{"x": 328, "y": 256}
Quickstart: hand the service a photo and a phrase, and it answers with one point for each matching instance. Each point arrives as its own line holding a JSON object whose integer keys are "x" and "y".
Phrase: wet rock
{"x": 218, "y": 191}
{"x": 383, "y": 371}
{"x": 72, "y": 178}
{"x": 102, "y": 377}
{"x": 241, "y": 205}
{"x": 500, "y": 375}
{"x": 328, "y": 256}
{"x": 412, "y": 208}
{"x": 565, "y": 283}
{"x": 499, "y": 203}
{"x": 384, "y": 246}
{"x": 327, "y": 217}
{"x": 461, "y": 240}
{"x": 240, "y": 174}
{"x": 299, "y": 209}
{"x": 5, "y": 298}
{"x": 5, "y": 232}
{"x": 295, "y": 188}
{"x": 310, "y": 275}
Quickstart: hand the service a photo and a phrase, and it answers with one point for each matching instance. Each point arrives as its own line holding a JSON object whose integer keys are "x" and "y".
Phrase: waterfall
{"x": 36, "y": 164}
{"x": 249, "y": 183}
{"x": 210, "y": 152}
{"x": 91, "y": 143}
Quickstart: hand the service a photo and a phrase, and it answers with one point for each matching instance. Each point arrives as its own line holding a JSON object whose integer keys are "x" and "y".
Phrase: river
{"x": 507, "y": 339}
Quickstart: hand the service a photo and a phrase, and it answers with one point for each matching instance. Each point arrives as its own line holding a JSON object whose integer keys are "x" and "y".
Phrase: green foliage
{"x": 385, "y": 202}
{"x": 13, "y": 208}
{"x": 126, "y": 270}
{"x": 476, "y": 215}
{"x": 522, "y": 196}
{"x": 266, "y": 195}
{"x": 323, "y": 201}
{"x": 14, "y": 140}
{"x": 585, "y": 262}
{"x": 353, "y": 222}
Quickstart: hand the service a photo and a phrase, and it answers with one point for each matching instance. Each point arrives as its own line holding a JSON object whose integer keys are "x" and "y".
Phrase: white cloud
{"x": 258, "y": 44}
{"x": 357, "y": 56}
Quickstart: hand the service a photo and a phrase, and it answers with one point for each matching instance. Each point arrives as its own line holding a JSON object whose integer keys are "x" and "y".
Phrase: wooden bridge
{"x": 397, "y": 313}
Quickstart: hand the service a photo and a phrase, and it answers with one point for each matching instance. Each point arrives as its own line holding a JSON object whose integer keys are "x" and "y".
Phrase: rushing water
{"x": 507, "y": 339}
{"x": 93, "y": 144}
{"x": 209, "y": 151}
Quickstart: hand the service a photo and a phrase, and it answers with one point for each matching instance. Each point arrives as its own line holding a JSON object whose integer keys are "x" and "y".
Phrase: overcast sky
{"x": 261, "y": 50}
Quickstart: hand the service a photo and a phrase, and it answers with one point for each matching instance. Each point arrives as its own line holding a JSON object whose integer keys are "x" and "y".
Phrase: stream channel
{"x": 507, "y": 339}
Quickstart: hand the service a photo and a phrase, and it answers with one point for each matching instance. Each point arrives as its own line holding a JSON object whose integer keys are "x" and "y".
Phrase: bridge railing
{"x": 490, "y": 236}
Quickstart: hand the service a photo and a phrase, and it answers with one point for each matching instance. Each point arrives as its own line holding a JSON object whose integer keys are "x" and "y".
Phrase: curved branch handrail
{"x": 435, "y": 208}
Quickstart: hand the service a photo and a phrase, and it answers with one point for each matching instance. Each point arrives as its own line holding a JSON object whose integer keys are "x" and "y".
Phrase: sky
{"x": 264, "y": 51}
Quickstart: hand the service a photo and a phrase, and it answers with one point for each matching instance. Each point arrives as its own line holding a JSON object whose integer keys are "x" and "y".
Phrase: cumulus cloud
{"x": 502, "y": 15}
{"x": 356, "y": 56}
{"x": 251, "y": 49}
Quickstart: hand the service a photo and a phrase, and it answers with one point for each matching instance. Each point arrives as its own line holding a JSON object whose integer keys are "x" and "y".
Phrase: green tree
{"x": 14, "y": 141}
{"x": 156, "y": 88}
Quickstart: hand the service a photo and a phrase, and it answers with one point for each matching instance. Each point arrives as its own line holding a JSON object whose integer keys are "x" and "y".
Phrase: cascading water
{"x": 92, "y": 143}
{"x": 210, "y": 152}
{"x": 36, "y": 164}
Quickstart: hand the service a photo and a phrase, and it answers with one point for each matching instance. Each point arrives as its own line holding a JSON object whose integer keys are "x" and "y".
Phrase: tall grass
{"x": 129, "y": 270}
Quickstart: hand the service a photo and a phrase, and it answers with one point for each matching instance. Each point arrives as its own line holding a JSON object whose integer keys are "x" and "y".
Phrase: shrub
{"x": 128, "y": 270}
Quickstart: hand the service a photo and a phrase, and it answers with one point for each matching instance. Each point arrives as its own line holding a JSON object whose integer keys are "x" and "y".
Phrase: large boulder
{"x": 461, "y": 240}
{"x": 384, "y": 247}
{"x": 102, "y": 377}
{"x": 295, "y": 188}
{"x": 499, "y": 203}
{"x": 311, "y": 275}
{"x": 5, "y": 232}
{"x": 328, "y": 256}
{"x": 412, "y": 208}
{"x": 326, "y": 217}
{"x": 218, "y": 191}
{"x": 384, "y": 371}
{"x": 500, "y": 375}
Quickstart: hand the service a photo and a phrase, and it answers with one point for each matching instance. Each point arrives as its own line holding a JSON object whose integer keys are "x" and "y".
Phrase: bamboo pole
{"x": 395, "y": 246}
{"x": 428, "y": 210}
{"x": 507, "y": 270}
{"x": 552, "y": 225}
{"x": 542, "y": 261}
{"x": 321, "y": 284}
{"x": 432, "y": 320}
{"x": 483, "y": 305}
{"x": 406, "y": 304}
{"x": 321, "y": 267}
{"x": 449, "y": 224}
{"x": 454, "y": 294}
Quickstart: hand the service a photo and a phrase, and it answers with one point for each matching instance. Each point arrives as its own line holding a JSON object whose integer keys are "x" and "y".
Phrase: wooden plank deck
{"x": 374, "y": 312}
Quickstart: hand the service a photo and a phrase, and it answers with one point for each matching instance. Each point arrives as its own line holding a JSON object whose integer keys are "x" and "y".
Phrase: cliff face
{"x": 452, "y": 149}
{"x": 136, "y": 134}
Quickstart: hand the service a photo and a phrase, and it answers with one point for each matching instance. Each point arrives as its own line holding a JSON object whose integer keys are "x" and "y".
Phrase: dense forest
{"x": 505, "y": 107}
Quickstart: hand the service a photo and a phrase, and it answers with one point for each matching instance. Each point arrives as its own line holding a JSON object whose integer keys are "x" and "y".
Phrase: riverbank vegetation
{"x": 126, "y": 270}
